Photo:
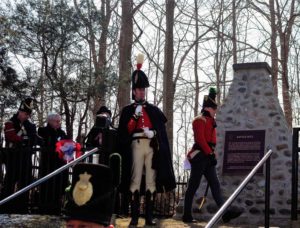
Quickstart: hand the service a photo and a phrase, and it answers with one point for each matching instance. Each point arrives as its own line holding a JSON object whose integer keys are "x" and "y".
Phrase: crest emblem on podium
{"x": 83, "y": 189}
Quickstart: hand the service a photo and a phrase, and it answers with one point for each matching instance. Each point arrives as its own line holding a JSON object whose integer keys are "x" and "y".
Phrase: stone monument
{"x": 250, "y": 120}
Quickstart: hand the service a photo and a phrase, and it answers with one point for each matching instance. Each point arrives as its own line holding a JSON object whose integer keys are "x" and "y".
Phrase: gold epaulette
{"x": 200, "y": 117}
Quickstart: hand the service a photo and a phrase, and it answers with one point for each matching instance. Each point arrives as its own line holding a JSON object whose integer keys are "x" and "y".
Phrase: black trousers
{"x": 201, "y": 165}
{"x": 18, "y": 175}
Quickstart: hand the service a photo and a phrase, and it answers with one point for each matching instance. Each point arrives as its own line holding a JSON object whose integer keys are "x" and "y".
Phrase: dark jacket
{"x": 162, "y": 161}
{"x": 49, "y": 158}
{"x": 50, "y": 136}
{"x": 91, "y": 139}
{"x": 14, "y": 135}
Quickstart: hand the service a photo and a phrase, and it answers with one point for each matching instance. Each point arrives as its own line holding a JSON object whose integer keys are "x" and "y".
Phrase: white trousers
{"x": 142, "y": 155}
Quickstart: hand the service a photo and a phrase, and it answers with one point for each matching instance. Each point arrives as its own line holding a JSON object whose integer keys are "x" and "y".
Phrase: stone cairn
{"x": 251, "y": 104}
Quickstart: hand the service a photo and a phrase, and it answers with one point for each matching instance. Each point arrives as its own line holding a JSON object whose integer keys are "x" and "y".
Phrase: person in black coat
{"x": 143, "y": 142}
{"x": 94, "y": 137}
{"x": 51, "y": 191}
{"x": 102, "y": 135}
{"x": 20, "y": 136}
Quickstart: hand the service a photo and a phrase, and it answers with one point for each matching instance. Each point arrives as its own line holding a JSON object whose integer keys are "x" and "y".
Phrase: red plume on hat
{"x": 139, "y": 61}
{"x": 139, "y": 64}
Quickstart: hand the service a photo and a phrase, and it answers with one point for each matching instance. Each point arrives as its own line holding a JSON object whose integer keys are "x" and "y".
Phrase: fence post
{"x": 295, "y": 160}
{"x": 267, "y": 194}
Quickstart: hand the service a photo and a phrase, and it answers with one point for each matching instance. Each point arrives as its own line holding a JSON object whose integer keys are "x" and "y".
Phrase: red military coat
{"x": 204, "y": 128}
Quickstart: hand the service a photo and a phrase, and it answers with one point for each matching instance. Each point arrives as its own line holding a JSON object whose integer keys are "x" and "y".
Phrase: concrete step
{"x": 175, "y": 223}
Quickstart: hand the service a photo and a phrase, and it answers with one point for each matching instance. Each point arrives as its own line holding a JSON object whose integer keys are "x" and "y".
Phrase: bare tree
{"x": 125, "y": 49}
{"x": 282, "y": 18}
{"x": 96, "y": 24}
{"x": 285, "y": 35}
{"x": 197, "y": 86}
{"x": 168, "y": 84}
{"x": 234, "y": 25}
{"x": 274, "y": 51}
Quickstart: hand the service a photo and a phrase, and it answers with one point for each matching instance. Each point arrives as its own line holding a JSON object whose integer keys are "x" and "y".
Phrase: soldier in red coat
{"x": 20, "y": 136}
{"x": 203, "y": 160}
{"x": 143, "y": 143}
{"x": 18, "y": 130}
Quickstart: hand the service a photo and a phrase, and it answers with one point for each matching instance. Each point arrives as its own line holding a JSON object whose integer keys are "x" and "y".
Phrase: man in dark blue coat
{"x": 143, "y": 143}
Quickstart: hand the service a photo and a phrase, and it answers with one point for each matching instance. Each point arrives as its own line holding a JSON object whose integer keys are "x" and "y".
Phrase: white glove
{"x": 138, "y": 110}
{"x": 149, "y": 133}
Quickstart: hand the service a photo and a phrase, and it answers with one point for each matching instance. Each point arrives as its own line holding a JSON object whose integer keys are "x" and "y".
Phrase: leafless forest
{"x": 73, "y": 56}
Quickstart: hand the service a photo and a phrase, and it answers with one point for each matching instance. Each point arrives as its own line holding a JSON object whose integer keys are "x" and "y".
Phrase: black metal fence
{"x": 295, "y": 169}
{"x": 22, "y": 166}
{"x": 166, "y": 203}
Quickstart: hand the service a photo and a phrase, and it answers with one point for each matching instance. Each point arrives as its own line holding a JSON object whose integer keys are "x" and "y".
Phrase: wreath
{"x": 67, "y": 149}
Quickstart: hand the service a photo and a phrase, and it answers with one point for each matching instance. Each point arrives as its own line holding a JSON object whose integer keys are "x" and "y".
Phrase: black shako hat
{"x": 103, "y": 109}
{"x": 91, "y": 194}
{"x": 138, "y": 78}
{"x": 210, "y": 99}
{"x": 27, "y": 105}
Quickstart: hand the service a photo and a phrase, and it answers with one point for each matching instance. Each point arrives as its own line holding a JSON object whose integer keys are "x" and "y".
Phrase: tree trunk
{"x": 42, "y": 93}
{"x": 286, "y": 95}
{"x": 100, "y": 68}
{"x": 284, "y": 35}
{"x": 99, "y": 57}
{"x": 168, "y": 84}
{"x": 219, "y": 54}
{"x": 63, "y": 94}
{"x": 155, "y": 92}
{"x": 274, "y": 51}
{"x": 125, "y": 46}
{"x": 197, "y": 87}
{"x": 234, "y": 43}
{"x": 287, "y": 106}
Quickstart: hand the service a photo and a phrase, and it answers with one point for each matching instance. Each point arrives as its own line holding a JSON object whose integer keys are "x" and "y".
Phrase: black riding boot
{"x": 149, "y": 208}
{"x": 135, "y": 208}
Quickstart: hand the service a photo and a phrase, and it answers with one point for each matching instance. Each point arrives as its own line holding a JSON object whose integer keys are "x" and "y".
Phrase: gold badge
{"x": 83, "y": 189}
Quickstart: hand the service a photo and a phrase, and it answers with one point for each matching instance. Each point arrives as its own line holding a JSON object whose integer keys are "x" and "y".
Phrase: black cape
{"x": 165, "y": 179}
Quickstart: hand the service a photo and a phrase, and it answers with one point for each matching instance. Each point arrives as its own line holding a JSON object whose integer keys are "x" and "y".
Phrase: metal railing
{"x": 265, "y": 159}
{"x": 50, "y": 175}
{"x": 46, "y": 195}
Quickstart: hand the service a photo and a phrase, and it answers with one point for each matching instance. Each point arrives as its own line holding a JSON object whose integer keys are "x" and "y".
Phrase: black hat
{"x": 138, "y": 77}
{"x": 91, "y": 195}
{"x": 210, "y": 99}
{"x": 27, "y": 105}
{"x": 103, "y": 109}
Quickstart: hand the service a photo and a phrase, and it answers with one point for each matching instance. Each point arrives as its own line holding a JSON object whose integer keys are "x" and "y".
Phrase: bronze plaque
{"x": 243, "y": 150}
